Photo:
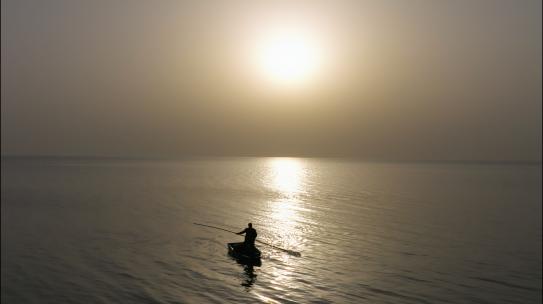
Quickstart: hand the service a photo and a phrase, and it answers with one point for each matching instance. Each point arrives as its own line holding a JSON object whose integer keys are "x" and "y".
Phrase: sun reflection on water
{"x": 287, "y": 175}
{"x": 284, "y": 212}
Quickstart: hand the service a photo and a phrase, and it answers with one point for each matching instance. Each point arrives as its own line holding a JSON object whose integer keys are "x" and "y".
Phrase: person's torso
{"x": 250, "y": 232}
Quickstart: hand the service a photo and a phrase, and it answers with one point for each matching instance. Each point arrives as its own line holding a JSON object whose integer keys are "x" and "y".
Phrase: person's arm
{"x": 241, "y": 232}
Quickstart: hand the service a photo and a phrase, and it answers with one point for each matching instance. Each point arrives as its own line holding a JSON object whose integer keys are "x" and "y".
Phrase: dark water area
{"x": 121, "y": 231}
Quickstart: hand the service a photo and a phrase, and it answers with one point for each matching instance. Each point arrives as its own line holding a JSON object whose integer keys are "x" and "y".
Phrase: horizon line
{"x": 203, "y": 156}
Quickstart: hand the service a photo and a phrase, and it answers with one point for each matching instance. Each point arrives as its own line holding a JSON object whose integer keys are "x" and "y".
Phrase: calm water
{"x": 105, "y": 231}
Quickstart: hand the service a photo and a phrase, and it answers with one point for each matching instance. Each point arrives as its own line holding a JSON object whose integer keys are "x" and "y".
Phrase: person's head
{"x": 250, "y": 225}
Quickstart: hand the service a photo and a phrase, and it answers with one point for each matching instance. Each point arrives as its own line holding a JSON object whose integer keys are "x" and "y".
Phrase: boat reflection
{"x": 249, "y": 276}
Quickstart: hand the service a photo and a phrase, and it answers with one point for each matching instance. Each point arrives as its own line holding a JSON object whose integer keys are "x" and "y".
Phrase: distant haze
{"x": 404, "y": 80}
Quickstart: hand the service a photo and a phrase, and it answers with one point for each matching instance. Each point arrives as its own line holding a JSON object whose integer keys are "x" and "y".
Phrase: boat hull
{"x": 244, "y": 255}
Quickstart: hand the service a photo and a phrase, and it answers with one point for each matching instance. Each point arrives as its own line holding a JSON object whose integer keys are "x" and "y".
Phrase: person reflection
{"x": 249, "y": 277}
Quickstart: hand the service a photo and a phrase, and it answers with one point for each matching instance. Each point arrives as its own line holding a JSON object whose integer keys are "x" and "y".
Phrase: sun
{"x": 288, "y": 57}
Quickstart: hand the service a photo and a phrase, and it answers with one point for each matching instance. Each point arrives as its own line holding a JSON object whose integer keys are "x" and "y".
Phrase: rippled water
{"x": 120, "y": 231}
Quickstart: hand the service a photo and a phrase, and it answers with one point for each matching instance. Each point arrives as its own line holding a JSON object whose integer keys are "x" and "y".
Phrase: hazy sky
{"x": 396, "y": 80}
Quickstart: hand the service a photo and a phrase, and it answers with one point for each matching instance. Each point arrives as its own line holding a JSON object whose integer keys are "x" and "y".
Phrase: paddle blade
{"x": 294, "y": 253}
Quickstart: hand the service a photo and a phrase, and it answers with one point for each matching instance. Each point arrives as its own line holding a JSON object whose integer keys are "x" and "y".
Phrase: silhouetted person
{"x": 250, "y": 236}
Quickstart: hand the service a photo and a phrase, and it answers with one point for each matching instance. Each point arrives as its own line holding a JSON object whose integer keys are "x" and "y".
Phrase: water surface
{"x": 121, "y": 231}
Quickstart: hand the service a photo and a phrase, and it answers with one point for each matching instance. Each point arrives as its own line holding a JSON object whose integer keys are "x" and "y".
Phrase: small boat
{"x": 243, "y": 254}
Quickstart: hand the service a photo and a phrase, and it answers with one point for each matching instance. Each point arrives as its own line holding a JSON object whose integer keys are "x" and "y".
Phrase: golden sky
{"x": 409, "y": 80}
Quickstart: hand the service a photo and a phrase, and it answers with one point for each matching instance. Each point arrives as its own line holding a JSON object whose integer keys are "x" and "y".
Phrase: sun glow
{"x": 289, "y": 57}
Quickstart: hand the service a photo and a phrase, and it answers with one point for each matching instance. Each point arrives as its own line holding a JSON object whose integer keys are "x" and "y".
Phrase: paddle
{"x": 291, "y": 252}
